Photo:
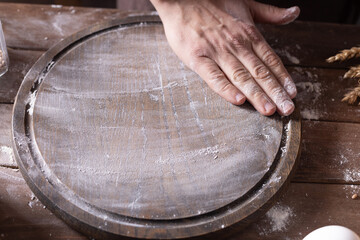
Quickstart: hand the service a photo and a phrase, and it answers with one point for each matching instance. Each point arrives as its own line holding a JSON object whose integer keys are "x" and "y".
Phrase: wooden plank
{"x": 303, "y": 208}
{"x": 20, "y": 62}
{"x": 320, "y": 92}
{"x": 310, "y": 43}
{"x": 299, "y": 43}
{"x": 330, "y": 153}
{"x": 47, "y": 24}
{"x": 22, "y": 216}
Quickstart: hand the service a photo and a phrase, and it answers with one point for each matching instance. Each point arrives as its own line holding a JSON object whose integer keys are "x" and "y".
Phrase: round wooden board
{"x": 117, "y": 137}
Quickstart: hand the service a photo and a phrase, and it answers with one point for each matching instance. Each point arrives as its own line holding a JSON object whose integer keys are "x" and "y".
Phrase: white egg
{"x": 332, "y": 233}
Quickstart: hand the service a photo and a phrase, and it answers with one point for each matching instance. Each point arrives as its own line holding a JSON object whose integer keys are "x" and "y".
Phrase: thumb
{"x": 264, "y": 13}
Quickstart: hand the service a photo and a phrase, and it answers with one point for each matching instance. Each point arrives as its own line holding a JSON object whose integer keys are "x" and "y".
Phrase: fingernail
{"x": 290, "y": 87}
{"x": 269, "y": 107}
{"x": 239, "y": 98}
{"x": 291, "y": 10}
{"x": 287, "y": 107}
{"x": 290, "y": 15}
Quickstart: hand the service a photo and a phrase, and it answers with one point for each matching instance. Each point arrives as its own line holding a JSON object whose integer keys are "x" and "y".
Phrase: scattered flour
{"x": 33, "y": 200}
{"x": 279, "y": 217}
{"x": 343, "y": 159}
{"x": 351, "y": 175}
{"x": 351, "y": 190}
{"x": 31, "y": 100}
{"x": 310, "y": 87}
{"x": 153, "y": 97}
{"x": 56, "y": 6}
{"x": 314, "y": 88}
{"x": 310, "y": 114}
{"x": 286, "y": 53}
{"x": 292, "y": 58}
{"x": 212, "y": 151}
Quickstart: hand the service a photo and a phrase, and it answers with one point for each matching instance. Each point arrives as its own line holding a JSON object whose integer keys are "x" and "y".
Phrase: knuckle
{"x": 223, "y": 87}
{"x": 277, "y": 91}
{"x": 252, "y": 33}
{"x": 237, "y": 41}
{"x": 222, "y": 47}
{"x": 215, "y": 76}
{"x": 271, "y": 59}
{"x": 201, "y": 49}
{"x": 241, "y": 75}
{"x": 198, "y": 51}
{"x": 257, "y": 93}
{"x": 261, "y": 72}
{"x": 279, "y": 95}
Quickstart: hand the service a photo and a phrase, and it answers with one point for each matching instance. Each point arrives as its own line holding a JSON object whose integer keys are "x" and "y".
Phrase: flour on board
{"x": 285, "y": 53}
{"x": 31, "y": 100}
{"x": 351, "y": 175}
{"x": 277, "y": 219}
{"x": 310, "y": 114}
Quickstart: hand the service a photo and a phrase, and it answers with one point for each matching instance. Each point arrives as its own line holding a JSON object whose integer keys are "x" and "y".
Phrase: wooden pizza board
{"x": 118, "y": 138}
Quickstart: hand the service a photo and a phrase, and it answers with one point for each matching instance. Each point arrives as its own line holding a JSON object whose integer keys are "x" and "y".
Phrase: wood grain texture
{"x": 320, "y": 91}
{"x": 299, "y": 43}
{"x": 23, "y": 217}
{"x": 46, "y": 25}
{"x": 323, "y": 156}
{"x": 153, "y": 140}
{"x": 304, "y": 208}
{"x": 334, "y": 140}
{"x": 308, "y": 44}
{"x": 20, "y": 62}
{"x": 309, "y": 206}
{"x": 339, "y": 143}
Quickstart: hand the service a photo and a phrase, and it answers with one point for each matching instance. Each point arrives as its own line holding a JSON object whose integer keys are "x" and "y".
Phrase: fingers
{"x": 267, "y": 82}
{"x": 242, "y": 79}
{"x": 273, "y": 62}
{"x": 263, "y": 73}
{"x": 209, "y": 71}
{"x": 264, "y": 13}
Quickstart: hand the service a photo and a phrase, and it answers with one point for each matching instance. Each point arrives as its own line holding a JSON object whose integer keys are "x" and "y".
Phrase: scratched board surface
{"x": 120, "y": 124}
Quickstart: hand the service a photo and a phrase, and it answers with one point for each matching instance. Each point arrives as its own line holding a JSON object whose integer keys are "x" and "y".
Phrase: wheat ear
{"x": 345, "y": 54}
{"x": 354, "y": 72}
{"x": 352, "y": 96}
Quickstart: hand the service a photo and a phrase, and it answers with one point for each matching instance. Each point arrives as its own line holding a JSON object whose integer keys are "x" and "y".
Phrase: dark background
{"x": 339, "y": 11}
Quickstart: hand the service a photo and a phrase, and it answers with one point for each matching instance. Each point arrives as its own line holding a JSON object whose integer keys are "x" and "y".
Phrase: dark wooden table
{"x": 329, "y": 172}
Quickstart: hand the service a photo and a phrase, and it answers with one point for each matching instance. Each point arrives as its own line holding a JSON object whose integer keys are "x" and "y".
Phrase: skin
{"x": 218, "y": 40}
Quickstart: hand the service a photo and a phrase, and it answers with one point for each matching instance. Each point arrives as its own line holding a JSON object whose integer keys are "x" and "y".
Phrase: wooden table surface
{"x": 328, "y": 175}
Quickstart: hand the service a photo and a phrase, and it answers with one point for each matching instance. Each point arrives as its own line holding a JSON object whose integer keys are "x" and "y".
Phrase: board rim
{"x": 129, "y": 226}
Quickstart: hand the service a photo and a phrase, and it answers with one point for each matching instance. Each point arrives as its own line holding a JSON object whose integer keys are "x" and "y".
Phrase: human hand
{"x": 219, "y": 41}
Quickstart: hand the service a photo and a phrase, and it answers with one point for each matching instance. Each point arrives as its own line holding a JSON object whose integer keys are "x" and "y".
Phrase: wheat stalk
{"x": 345, "y": 54}
{"x": 352, "y": 96}
{"x": 354, "y": 72}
